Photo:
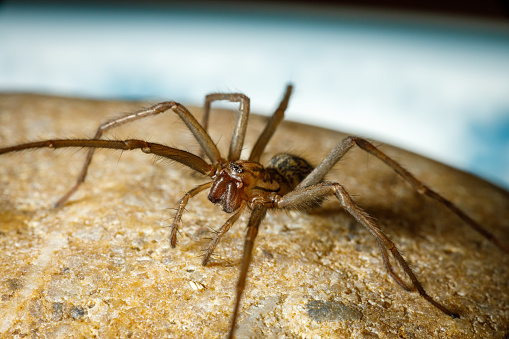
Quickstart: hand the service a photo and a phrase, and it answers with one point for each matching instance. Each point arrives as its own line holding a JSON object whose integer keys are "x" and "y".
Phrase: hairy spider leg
{"x": 200, "y": 134}
{"x": 271, "y": 126}
{"x": 240, "y": 128}
{"x": 177, "y": 220}
{"x": 388, "y": 266}
{"x": 302, "y": 196}
{"x": 239, "y": 132}
{"x": 346, "y": 144}
{"x": 226, "y": 226}
{"x": 257, "y": 215}
{"x": 185, "y": 158}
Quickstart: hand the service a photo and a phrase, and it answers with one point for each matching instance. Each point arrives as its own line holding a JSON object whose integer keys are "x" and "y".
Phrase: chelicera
{"x": 286, "y": 182}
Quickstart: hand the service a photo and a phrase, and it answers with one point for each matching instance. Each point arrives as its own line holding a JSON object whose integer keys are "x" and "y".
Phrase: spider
{"x": 287, "y": 181}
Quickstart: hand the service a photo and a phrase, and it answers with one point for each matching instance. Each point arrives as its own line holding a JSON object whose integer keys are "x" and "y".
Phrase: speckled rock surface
{"x": 101, "y": 266}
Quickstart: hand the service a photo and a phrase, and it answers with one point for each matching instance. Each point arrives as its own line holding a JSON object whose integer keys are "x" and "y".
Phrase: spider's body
{"x": 250, "y": 182}
{"x": 287, "y": 181}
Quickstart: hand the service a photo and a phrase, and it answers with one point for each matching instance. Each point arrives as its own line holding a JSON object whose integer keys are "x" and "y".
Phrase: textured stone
{"x": 102, "y": 266}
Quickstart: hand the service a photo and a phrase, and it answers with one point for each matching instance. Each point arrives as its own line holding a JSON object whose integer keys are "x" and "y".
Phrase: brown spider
{"x": 287, "y": 181}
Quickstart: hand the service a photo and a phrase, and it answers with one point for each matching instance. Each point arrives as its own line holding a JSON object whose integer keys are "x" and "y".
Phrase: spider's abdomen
{"x": 291, "y": 167}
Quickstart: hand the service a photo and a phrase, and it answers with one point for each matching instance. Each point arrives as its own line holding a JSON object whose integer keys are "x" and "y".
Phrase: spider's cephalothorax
{"x": 234, "y": 183}
{"x": 250, "y": 182}
{"x": 288, "y": 181}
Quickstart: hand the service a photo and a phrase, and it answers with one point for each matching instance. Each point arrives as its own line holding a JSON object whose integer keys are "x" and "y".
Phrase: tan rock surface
{"x": 102, "y": 267}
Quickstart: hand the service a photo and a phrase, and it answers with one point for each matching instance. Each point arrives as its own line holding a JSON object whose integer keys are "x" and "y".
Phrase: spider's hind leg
{"x": 346, "y": 144}
{"x": 301, "y": 196}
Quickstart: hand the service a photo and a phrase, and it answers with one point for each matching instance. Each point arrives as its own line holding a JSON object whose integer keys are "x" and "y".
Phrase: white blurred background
{"x": 435, "y": 84}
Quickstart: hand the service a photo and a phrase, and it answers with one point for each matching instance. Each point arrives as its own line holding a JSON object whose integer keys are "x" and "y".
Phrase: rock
{"x": 102, "y": 266}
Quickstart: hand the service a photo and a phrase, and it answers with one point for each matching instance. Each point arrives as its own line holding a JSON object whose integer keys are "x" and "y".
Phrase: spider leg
{"x": 388, "y": 266}
{"x": 206, "y": 143}
{"x": 259, "y": 212}
{"x": 185, "y": 158}
{"x": 346, "y": 144}
{"x": 177, "y": 220}
{"x": 239, "y": 131}
{"x": 226, "y": 226}
{"x": 271, "y": 126}
{"x": 303, "y": 196}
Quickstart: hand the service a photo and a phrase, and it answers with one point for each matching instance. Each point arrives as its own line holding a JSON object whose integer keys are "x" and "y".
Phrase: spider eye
{"x": 236, "y": 167}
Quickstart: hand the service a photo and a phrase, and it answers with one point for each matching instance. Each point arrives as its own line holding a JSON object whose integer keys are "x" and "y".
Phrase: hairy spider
{"x": 288, "y": 181}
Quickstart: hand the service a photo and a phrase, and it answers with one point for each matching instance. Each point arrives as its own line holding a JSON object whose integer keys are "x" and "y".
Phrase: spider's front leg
{"x": 303, "y": 196}
{"x": 218, "y": 234}
{"x": 200, "y": 134}
{"x": 177, "y": 220}
{"x": 239, "y": 131}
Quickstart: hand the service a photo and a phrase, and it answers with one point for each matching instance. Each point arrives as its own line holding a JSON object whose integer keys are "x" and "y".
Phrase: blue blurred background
{"x": 436, "y": 83}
